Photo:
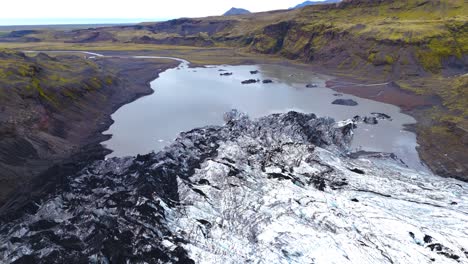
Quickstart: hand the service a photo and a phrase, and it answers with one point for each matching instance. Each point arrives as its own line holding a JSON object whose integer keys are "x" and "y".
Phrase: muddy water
{"x": 186, "y": 98}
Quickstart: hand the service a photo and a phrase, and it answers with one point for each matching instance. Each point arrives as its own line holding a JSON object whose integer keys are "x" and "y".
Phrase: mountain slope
{"x": 53, "y": 108}
{"x": 308, "y": 3}
{"x": 276, "y": 189}
{"x": 236, "y": 11}
{"x": 414, "y": 37}
{"x": 40, "y": 98}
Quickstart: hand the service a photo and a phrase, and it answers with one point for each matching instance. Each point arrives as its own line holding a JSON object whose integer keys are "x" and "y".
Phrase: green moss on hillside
{"x": 436, "y": 31}
{"x": 47, "y": 78}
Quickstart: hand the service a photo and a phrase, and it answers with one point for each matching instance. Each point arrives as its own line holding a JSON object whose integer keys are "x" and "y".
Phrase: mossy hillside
{"x": 396, "y": 40}
{"x": 308, "y": 33}
{"x": 97, "y": 46}
{"x": 442, "y": 129}
{"x": 433, "y": 31}
{"x": 265, "y": 44}
{"x": 445, "y": 139}
{"x": 445, "y": 145}
{"x": 456, "y": 99}
{"x": 436, "y": 31}
{"x": 48, "y": 79}
{"x": 455, "y": 102}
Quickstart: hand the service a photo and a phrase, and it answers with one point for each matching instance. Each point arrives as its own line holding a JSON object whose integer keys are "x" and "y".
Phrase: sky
{"x": 27, "y": 12}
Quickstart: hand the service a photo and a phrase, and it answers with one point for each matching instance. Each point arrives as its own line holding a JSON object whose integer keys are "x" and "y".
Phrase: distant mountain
{"x": 236, "y": 11}
{"x": 307, "y": 3}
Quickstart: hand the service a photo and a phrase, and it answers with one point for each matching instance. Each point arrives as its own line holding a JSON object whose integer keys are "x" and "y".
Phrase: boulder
{"x": 347, "y": 102}
{"x": 357, "y": 118}
{"x": 381, "y": 115}
{"x": 249, "y": 81}
{"x": 370, "y": 120}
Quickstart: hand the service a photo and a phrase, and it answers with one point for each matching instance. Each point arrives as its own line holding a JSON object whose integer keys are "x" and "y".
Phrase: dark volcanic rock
{"x": 357, "y": 118}
{"x": 370, "y": 120}
{"x": 381, "y": 115}
{"x": 311, "y": 85}
{"x": 356, "y": 170}
{"x": 267, "y": 81}
{"x": 254, "y": 72}
{"x": 250, "y": 81}
{"x": 226, "y": 74}
{"x": 348, "y": 102}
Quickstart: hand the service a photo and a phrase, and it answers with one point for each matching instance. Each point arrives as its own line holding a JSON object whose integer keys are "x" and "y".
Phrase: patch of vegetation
{"x": 46, "y": 78}
{"x": 456, "y": 97}
{"x": 371, "y": 57}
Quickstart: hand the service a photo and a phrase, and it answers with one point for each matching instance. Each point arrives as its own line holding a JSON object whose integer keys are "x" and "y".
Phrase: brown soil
{"x": 388, "y": 93}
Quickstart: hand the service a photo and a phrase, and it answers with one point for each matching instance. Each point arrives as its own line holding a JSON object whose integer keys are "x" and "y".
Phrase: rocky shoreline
{"x": 444, "y": 154}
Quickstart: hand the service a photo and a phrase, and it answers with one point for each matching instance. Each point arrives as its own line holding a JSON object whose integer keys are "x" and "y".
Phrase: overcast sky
{"x": 18, "y": 11}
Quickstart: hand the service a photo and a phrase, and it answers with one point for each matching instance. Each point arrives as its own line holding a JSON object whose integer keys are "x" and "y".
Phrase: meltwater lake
{"x": 187, "y": 98}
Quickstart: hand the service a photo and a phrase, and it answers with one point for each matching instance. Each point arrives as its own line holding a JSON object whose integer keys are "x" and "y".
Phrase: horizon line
{"x": 12, "y": 22}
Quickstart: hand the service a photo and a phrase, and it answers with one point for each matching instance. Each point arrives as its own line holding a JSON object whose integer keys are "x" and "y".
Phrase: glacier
{"x": 278, "y": 189}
